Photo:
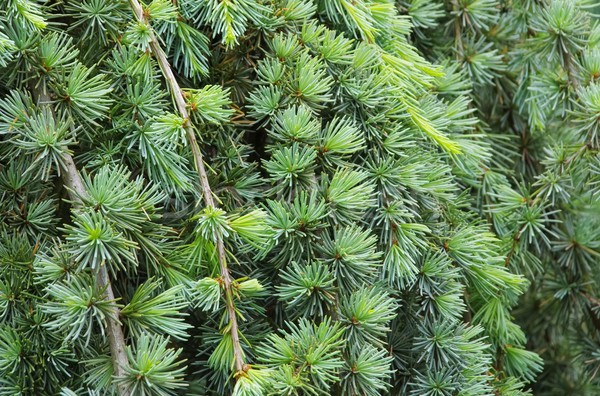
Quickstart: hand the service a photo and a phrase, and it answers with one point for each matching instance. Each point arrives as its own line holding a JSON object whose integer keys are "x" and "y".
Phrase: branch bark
{"x": 568, "y": 66}
{"x": 181, "y": 106}
{"x": 116, "y": 340}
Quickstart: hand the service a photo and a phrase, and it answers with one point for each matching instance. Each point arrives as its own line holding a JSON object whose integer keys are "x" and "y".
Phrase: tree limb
{"x": 116, "y": 340}
{"x": 180, "y": 103}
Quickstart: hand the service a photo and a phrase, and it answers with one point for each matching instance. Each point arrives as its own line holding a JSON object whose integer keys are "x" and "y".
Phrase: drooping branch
{"x": 116, "y": 340}
{"x": 458, "y": 31}
{"x": 180, "y": 103}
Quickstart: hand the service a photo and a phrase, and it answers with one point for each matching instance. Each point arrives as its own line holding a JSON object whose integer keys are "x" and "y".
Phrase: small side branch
{"x": 116, "y": 340}
{"x": 180, "y": 103}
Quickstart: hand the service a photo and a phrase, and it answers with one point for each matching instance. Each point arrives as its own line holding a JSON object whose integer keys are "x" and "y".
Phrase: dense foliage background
{"x": 299, "y": 197}
{"x": 534, "y": 67}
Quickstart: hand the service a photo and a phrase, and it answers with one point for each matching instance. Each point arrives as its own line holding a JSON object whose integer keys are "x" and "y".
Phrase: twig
{"x": 177, "y": 94}
{"x": 116, "y": 339}
{"x": 458, "y": 31}
{"x": 568, "y": 65}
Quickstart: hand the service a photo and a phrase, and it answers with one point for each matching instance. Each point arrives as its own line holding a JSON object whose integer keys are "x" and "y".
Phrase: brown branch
{"x": 458, "y": 31}
{"x": 180, "y": 103}
{"x": 116, "y": 340}
{"x": 568, "y": 66}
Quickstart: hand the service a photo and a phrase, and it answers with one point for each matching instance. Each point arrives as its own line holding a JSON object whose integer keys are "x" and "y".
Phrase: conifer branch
{"x": 180, "y": 103}
{"x": 537, "y": 198}
{"x": 457, "y": 31}
{"x": 116, "y": 340}
{"x": 568, "y": 65}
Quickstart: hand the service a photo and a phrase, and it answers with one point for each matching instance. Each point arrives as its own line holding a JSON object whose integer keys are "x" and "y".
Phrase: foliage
{"x": 534, "y": 69}
{"x": 297, "y": 197}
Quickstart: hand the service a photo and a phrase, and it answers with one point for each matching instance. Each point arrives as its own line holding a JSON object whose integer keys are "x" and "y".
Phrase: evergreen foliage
{"x": 299, "y": 197}
{"x": 534, "y": 68}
